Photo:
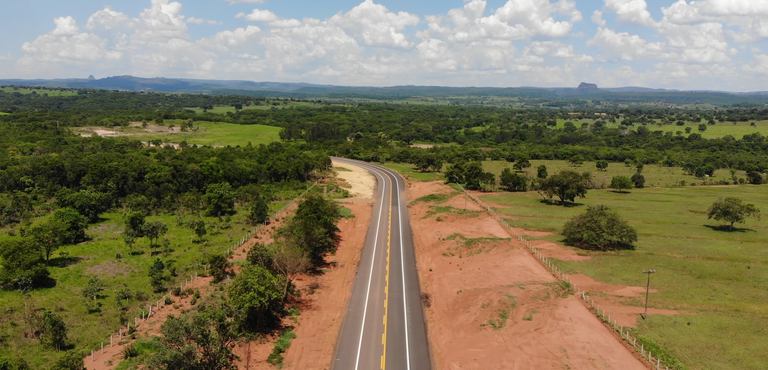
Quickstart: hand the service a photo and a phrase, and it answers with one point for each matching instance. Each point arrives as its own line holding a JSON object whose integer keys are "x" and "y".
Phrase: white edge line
{"x": 370, "y": 276}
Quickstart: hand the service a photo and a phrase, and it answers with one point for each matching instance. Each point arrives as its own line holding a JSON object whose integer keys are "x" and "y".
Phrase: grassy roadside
{"x": 409, "y": 172}
{"x": 655, "y": 175}
{"x": 719, "y": 277}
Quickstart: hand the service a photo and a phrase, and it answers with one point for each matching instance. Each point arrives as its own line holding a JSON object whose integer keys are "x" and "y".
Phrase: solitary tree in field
{"x": 732, "y": 210}
{"x": 576, "y": 161}
{"x": 198, "y": 226}
{"x": 639, "y": 180}
{"x": 702, "y": 127}
{"x": 620, "y": 183}
{"x": 541, "y": 172}
{"x": 601, "y": 165}
{"x": 522, "y": 164}
{"x": 513, "y": 182}
{"x": 54, "y": 332}
{"x": 153, "y": 231}
{"x": 566, "y": 185}
{"x": 600, "y": 228}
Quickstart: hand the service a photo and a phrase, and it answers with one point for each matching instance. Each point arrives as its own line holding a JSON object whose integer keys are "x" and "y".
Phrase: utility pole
{"x": 647, "y": 290}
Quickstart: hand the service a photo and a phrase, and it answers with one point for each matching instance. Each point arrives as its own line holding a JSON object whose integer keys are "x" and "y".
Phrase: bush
{"x": 621, "y": 183}
{"x": 599, "y": 228}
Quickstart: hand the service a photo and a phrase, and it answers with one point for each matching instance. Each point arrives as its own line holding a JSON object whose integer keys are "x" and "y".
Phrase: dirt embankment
{"x": 494, "y": 306}
{"x": 361, "y": 183}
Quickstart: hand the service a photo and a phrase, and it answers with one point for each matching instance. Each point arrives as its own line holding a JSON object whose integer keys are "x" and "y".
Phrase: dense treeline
{"x": 368, "y": 131}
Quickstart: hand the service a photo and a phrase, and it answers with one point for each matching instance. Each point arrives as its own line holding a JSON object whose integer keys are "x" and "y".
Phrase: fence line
{"x": 145, "y": 315}
{"x": 588, "y": 301}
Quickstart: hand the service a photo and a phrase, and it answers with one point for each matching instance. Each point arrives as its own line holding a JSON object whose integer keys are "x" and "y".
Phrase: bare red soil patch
{"x": 492, "y": 305}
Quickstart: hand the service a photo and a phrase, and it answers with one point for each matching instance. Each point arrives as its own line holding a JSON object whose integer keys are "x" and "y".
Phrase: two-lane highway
{"x": 384, "y": 324}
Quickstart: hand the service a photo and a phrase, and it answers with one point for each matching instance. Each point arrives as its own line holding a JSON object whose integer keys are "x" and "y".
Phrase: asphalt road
{"x": 384, "y": 324}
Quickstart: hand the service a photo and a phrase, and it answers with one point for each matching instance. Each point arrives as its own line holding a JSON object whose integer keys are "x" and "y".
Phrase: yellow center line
{"x": 386, "y": 286}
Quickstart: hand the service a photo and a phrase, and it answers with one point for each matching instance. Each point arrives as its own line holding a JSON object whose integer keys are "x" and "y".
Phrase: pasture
{"x": 224, "y": 109}
{"x": 213, "y": 133}
{"x": 718, "y": 277}
{"x": 655, "y": 175}
{"x": 42, "y": 92}
{"x": 721, "y": 129}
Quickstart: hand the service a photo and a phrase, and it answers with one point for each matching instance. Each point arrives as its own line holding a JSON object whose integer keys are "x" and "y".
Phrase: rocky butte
{"x": 586, "y": 86}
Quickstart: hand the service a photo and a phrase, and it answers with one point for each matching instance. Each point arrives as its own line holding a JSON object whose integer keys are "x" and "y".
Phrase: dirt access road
{"x": 491, "y": 305}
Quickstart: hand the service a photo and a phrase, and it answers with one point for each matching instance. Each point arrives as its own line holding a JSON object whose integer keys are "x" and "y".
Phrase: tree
{"x": 47, "y": 237}
{"x": 732, "y": 210}
{"x": 513, "y": 182}
{"x": 90, "y": 204}
{"x": 576, "y": 161}
{"x": 134, "y": 225}
{"x": 601, "y": 228}
{"x": 71, "y": 224}
{"x": 702, "y": 127}
{"x": 218, "y": 267}
{"x": 153, "y": 231}
{"x": 455, "y": 173}
{"x": 522, "y": 164}
{"x": 638, "y": 180}
{"x": 473, "y": 175}
{"x": 54, "y": 331}
{"x": 256, "y": 295}
{"x": 204, "y": 341}
{"x": 259, "y": 211}
{"x": 157, "y": 275}
{"x": 71, "y": 360}
{"x": 23, "y": 266}
{"x": 219, "y": 200}
{"x": 541, "y": 172}
{"x": 754, "y": 178}
{"x": 314, "y": 228}
{"x": 620, "y": 183}
{"x": 95, "y": 285}
{"x": 198, "y": 226}
{"x": 566, "y": 185}
{"x": 601, "y": 165}
{"x": 289, "y": 260}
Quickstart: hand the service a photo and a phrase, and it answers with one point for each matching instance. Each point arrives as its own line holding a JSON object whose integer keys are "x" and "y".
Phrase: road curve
{"x": 384, "y": 325}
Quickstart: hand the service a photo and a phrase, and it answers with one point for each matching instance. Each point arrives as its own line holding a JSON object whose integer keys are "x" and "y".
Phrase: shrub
{"x": 599, "y": 228}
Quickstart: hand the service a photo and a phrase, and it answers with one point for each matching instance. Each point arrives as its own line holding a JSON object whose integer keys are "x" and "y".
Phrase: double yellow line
{"x": 386, "y": 287}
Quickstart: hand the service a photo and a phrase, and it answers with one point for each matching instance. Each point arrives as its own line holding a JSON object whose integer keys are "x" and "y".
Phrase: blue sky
{"x": 707, "y": 44}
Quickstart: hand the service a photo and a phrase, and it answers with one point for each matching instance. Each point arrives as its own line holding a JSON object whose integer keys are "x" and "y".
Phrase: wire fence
{"x": 582, "y": 295}
{"x": 125, "y": 331}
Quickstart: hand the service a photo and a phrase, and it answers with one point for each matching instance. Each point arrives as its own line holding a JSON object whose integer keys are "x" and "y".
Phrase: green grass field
{"x": 719, "y": 278}
{"x": 3, "y": 114}
{"x": 218, "y": 134}
{"x": 655, "y": 175}
{"x": 719, "y": 130}
{"x": 223, "y": 109}
{"x": 409, "y": 172}
{"x": 41, "y": 91}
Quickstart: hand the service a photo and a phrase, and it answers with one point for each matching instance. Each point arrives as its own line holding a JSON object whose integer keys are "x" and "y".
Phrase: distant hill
{"x": 306, "y": 90}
